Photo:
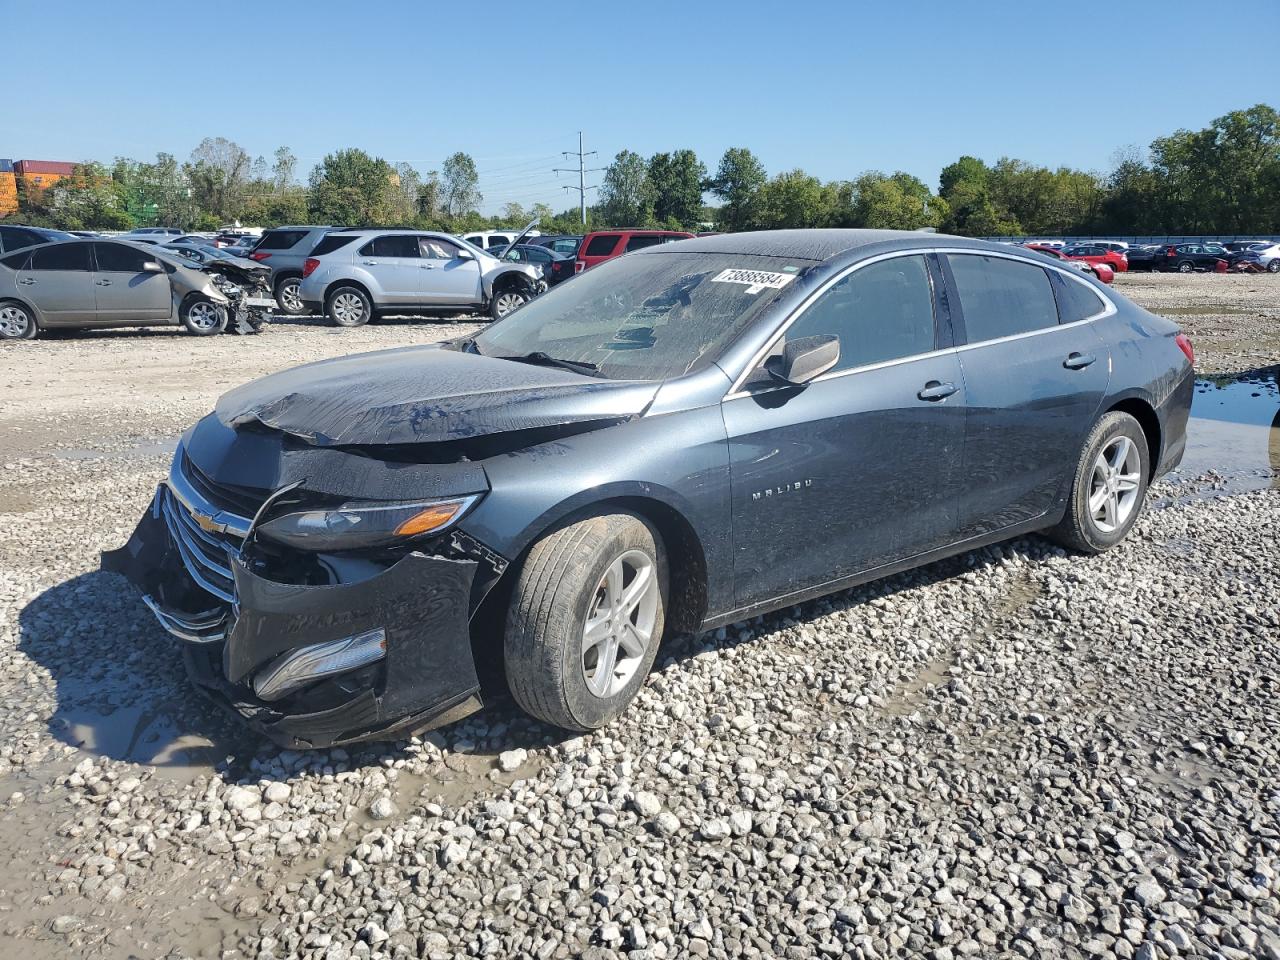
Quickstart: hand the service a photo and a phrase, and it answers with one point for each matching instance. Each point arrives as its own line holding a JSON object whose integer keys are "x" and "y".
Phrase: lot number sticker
{"x": 755, "y": 280}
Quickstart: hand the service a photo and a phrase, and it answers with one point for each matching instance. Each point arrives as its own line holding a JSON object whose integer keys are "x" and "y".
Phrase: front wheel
{"x": 1109, "y": 487}
{"x": 506, "y": 301}
{"x": 349, "y": 307}
{"x": 203, "y": 318}
{"x": 16, "y": 322}
{"x": 1186, "y": 266}
{"x": 586, "y": 619}
{"x": 1274, "y": 266}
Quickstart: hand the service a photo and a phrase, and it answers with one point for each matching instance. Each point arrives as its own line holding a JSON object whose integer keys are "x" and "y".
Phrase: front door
{"x": 447, "y": 278}
{"x": 858, "y": 468}
{"x": 123, "y": 290}
{"x": 1033, "y": 385}
{"x": 58, "y": 280}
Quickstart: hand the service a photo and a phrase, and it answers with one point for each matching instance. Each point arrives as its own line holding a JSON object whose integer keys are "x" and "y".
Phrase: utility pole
{"x": 582, "y": 172}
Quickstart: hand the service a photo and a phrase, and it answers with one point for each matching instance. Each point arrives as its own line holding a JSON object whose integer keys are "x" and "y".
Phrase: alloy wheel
{"x": 508, "y": 302}
{"x": 14, "y": 322}
{"x": 288, "y": 296}
{"x": 204, "y": 315}
{"x": 620, "y": 623}
{"x": 348, "y": 308}
{"x": 1114, "y": 485}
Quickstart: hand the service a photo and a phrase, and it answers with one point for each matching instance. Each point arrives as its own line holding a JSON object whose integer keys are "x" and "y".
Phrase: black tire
{"x": 1186, "y": 266}
{"x": 287, "y": 299}
{"x": 17, "y": 322}
{"x": 506, "y": 300}
{"x": 1079, "y": 528}
{"x": 202, "y": 317}
{"x": 561, "y": 584}
{"x": 348, "y": 306}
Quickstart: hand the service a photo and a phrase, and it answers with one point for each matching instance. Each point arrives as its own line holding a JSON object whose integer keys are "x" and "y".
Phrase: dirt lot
{"x": 1016, "y": 752}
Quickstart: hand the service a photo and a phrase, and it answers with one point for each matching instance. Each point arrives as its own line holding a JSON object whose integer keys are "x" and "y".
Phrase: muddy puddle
{"x": 1234, "y": 433}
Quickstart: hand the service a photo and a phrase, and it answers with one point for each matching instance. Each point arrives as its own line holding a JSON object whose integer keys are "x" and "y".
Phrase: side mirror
{"x": 465, "y": 254}
{"x": 152, "y": 266}
{"x": 804, "y": 359}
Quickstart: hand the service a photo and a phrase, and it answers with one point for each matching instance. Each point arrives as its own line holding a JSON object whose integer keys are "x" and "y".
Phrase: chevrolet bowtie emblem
{"x": 205, "y": 523}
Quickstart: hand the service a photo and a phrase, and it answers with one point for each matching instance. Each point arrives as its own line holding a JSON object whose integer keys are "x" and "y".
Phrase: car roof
{"x": 814, "y": 245}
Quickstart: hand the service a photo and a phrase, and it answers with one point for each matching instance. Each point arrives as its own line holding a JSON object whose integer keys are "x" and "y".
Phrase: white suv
{"x": 352, "y": 275}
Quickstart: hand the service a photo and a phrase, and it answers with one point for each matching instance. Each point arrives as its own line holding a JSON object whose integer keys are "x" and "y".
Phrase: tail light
{"x": 309, "y": 266}
{"x": 555, "y": 267}
{"x": 1184, "y": 344}
{"x": 578, "y": 266}
{"x": 259, "y": 256}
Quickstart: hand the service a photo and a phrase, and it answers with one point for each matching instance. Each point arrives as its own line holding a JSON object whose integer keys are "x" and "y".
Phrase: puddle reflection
{"x": 1235, "y": 430}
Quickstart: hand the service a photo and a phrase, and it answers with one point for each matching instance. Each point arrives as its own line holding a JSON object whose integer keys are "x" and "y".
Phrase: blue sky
{"x": 833, "y": 88}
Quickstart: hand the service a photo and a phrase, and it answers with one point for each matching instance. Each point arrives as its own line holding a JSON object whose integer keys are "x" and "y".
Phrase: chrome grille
{"x": 206, "y": 555}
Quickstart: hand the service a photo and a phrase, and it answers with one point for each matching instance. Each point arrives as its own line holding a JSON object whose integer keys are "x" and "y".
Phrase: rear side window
{"x": 882, "y": 312}
{"x": 639, "y": 242}
{"x": 332, "y": 242}
{"x": 602, "y": 245}
{"x": 1001, "y": 298}
{"x": 395, "y": 245}
{"x": 1076, "y": 301}
{"x": 61, "y": 256}
{"x": 280, "y": 239}
{"x": 118, "y": 258}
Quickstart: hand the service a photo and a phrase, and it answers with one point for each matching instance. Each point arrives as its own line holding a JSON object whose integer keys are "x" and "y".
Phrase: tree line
{"x": 1222, "y": 179}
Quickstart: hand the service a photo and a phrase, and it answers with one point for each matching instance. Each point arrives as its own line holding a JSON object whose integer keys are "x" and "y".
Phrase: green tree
{"x": 460, "y": 185}
{"x": 283, "y": 170}
{"x": 793, "y": 200}
{"x": 738, "y": 182}
{"x": 675, "y": 180}
{"x": 218, "y": 172}
{"x": 625, "y": 196}
{"x": 349, "y": 186}
{"x": 877, "y": 201}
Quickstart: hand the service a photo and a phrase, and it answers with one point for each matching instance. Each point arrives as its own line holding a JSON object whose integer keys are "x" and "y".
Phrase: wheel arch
{"x": 1142, "y": 410}
{"x": 495, "y": 283}
{"x": 335, "y": 284}
{"x": 28, "y": 306}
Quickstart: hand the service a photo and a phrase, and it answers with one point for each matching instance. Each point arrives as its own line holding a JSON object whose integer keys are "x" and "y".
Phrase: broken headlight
{"x": 226, "y": 286}
{"x": 359, "y": 526}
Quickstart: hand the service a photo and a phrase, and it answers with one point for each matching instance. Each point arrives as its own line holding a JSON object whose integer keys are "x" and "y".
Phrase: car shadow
{"x": 122, "y": 691}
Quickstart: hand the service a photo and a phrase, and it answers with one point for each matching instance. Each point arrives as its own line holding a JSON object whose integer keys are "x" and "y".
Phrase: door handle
{"x": 428, "y": 266}
{"x": 1078, "y": 361}
{"x": 370, "y": 263}
{"x": 936, "y": 390}
{"x": 103, "y": 283}
{"x": 27, "y": 281}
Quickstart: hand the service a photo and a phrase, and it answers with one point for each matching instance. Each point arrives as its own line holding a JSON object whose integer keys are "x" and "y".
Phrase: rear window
{"x": 1001, "y": 298}
{"x": 602, "y": 245}
{"x": 640, "y": 241}
{"x": 330, "y": 243}
{"x": 281, "y": 239}
{"x": 15, "y": 237}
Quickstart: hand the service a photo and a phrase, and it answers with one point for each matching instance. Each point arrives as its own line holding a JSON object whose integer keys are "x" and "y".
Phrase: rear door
{"x": 445, "y": 277}
{"x": 123, "y": 290}
{"x": 58, "y": 279}
{"x": 1033, "y": 386}
{"x": 393, "y": 261}
{"x": 858, "y": 468}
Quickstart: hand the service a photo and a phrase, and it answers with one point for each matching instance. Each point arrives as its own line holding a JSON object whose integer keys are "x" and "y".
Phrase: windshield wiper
{"x": 546, "y": 360}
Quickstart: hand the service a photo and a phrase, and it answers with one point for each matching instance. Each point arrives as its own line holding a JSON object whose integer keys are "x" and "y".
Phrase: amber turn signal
{"x": 432, "y": 518}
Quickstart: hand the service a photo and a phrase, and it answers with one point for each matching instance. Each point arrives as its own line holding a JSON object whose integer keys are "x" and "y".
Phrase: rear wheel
{"x": 1109, "y": 487}
{"x": 203, "y": 318}
{"x": 586, "y": 619}
{"x": 1186, "y": 266}
{"x": 349, "y": 307}
{"x": 1274, "y": 265}
{"x": 288, "y": 298}
{"x": 16, "y": 322}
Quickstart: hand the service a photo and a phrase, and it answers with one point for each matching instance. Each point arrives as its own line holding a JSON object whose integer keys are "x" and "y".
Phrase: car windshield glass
{"x": 645, "y": 316}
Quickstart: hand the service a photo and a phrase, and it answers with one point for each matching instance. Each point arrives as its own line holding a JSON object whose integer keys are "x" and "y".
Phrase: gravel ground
{"x": 1016, "y": 752}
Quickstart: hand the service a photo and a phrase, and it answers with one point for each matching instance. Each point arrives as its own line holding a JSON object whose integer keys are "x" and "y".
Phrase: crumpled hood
{"x": 425, "y": 395}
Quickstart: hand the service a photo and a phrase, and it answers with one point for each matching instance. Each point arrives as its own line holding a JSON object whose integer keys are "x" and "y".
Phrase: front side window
{"x": 61, "y": 256}
{"x": 601, "y": 246}
{"x": 646, "y": 317}
{"x": 433, "y": 248}
{"x": 393, "y": 245}
{"x": 119, "y": 258}
{"x": 883, "y": 311}
{"x": 1002, "y": 298}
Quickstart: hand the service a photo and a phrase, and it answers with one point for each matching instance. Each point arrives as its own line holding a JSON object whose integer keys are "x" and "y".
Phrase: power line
{"x": 582, "y": 187}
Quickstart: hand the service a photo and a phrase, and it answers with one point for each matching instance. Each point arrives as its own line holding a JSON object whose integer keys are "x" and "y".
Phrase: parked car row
{"x": 1185, "y": 257}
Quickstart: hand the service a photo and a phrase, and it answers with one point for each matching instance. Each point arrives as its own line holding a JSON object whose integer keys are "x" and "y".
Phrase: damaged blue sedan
{"x": 681, "y": 438}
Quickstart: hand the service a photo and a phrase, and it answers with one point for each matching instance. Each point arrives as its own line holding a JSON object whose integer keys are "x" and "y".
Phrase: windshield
{"x": 648, "y": 316}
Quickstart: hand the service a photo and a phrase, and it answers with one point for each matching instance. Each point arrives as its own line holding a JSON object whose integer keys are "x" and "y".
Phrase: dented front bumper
{"x": 236, "y": 625}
